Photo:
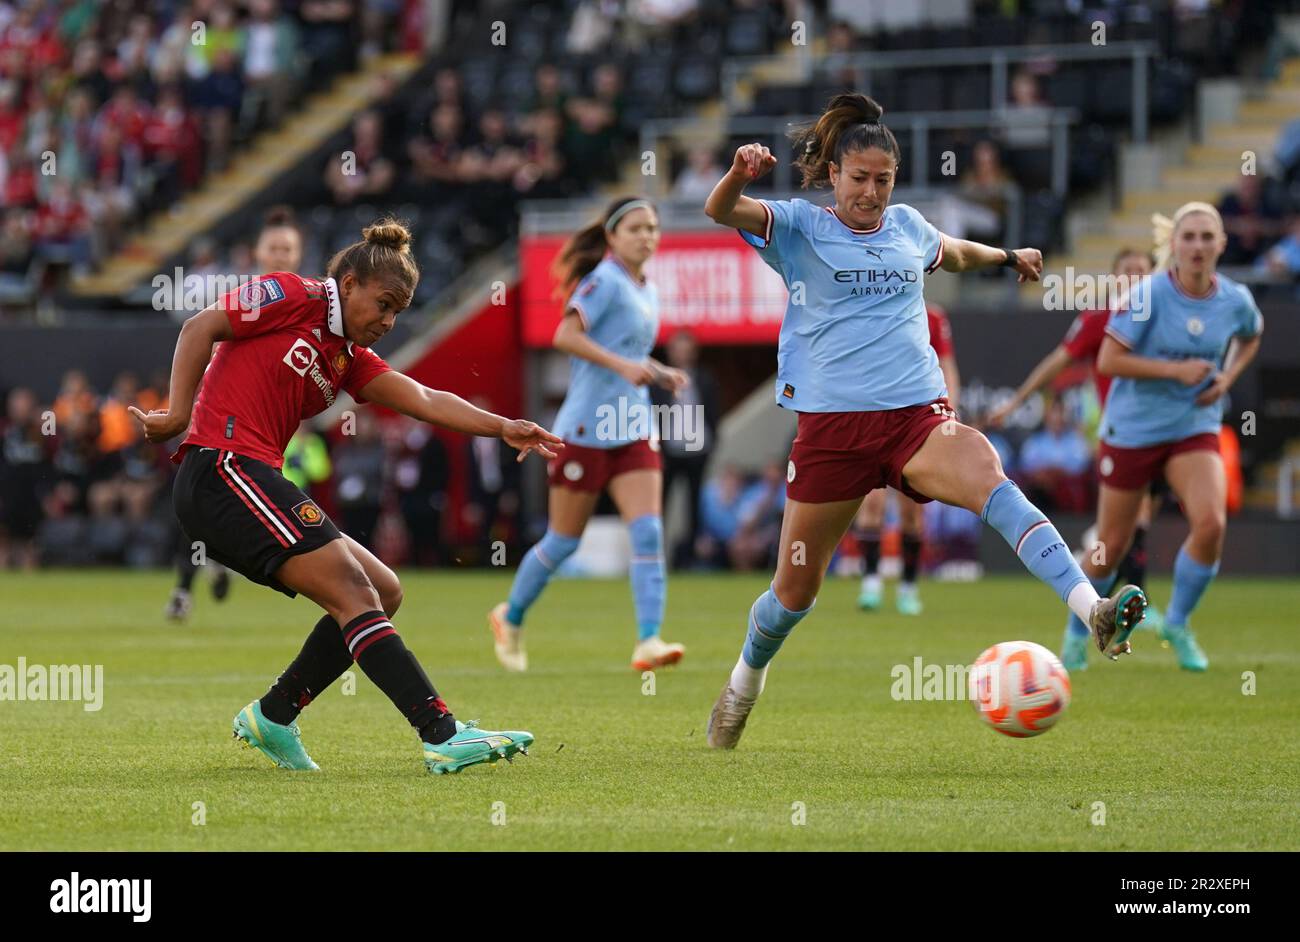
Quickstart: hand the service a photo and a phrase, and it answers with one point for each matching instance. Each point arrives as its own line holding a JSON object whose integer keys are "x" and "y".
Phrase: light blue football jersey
{"x": 1161, "y": 321}
{"x": 855, "y": 337}
{"x": 602, "y": 409}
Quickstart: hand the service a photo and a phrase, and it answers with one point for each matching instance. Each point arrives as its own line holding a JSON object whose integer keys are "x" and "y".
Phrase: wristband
{"x": 1011, "y": 260}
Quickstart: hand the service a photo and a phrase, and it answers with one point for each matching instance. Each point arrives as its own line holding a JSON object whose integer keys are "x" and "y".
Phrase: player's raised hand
{"x": 160, "y": 425}
{"x": 1029, "y": 265}
{"x": 529, "y": 437}
{"x": 752, "y": 160}
{"x": 998, "y": 416}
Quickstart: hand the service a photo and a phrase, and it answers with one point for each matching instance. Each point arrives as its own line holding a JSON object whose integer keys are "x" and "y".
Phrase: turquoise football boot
{"x": 1114, "y": 619}
{"x": 1074, "y": 652}
{"x": 907, "y": 599}
{"x": 1181, "y": 639}
{"x": 472, "y": 745}
{"x": 870, "y": 597}
{"x": 281, "y": 744}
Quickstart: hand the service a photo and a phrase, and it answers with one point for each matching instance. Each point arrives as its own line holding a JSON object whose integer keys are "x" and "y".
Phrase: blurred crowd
{"x": 1262, "y": 213}
{"x": 112, "y": 110}
{"x": 79, "y": 485}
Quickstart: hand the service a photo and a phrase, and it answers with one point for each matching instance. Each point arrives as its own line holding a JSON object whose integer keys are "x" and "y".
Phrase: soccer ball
{"x": 1019, "y": 688}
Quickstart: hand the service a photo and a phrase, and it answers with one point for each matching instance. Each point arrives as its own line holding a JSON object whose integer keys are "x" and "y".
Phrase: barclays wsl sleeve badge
{"x": 259, "y": 294}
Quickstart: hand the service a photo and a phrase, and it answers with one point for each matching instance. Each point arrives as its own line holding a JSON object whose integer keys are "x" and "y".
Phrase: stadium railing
{"x": 912, "y": 129}
{"x": 997, "y": 58}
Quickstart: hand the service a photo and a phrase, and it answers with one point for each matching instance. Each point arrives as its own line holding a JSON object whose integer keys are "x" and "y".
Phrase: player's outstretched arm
{"x": 727, "y": 205}
{"x": 193, "y": 351}
{"x": 965, "y": 255}
{"x": 399, "y": 392}
{"x": 1048, "y": 368}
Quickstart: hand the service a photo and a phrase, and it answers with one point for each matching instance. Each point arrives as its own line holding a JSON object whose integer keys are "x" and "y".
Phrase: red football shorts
{"x": 580, "y": 468}
{"x": 1133, "y": 469}
{"x": 844, "y": 455}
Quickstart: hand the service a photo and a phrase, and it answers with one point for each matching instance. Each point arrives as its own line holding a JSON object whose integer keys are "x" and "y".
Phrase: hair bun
{"x": 389, "y": 233}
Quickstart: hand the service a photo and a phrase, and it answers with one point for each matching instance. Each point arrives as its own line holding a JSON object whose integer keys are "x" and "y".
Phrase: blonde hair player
{"x": 1174, "y": 346}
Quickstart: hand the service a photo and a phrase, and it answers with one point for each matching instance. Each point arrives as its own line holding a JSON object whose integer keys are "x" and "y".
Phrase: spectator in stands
{"x": 686, "y": 460}
{"x": 117, "y": 428}
{"x": 1283, "y": 259}
{"x": 698, "y": 177}
{"x": 306, "y": 458}
{"x": 594, "y": 122}
{"x": 24, "y": 463}
{"x": 985, "y": 183}
{"x": 75, "y": 397}
{"x": 436, "y": 157}
{"x": 359, "y": 462}
{"x": 421, "y": 475}
{"x": 218, "y": 98}
{"x": 16, "y": 253}
{"x": 548, "y": 94}
{"x": 1027, "y": 133}
{"x": 1252, "y": 220}
{"x": 755, "y": 542}
{"x": 542, "y": 175}
{"x": 361, "y": 170}
{"x": 63, "y": 228}
{"x": 270, "y": 64}
{"x": 493, "y": 503}
{"x": 720, "y": 505}
{"x": 1055, "y": 461}
{"x": 328, "y": 38}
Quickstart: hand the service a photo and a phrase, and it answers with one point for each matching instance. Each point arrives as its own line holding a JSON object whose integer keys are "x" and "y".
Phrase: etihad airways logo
{"x": 877, "y": 281}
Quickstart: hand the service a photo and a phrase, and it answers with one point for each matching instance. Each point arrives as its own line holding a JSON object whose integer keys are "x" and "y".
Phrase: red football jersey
{"x": 940, "y": 331}
{"x": 286, "y": 363}
{"x": 1083, "y": 342}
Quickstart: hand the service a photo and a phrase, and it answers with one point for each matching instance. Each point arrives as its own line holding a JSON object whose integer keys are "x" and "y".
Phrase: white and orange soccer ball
{"x": 1019, "y": 688}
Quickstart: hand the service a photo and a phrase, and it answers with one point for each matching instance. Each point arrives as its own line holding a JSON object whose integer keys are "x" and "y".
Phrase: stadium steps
{"x": 1207, "y": 170}
{"x": 166, "y": 233}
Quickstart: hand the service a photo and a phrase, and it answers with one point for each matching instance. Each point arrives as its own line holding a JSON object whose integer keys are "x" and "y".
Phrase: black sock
{"x": 911, "y": 557}
{"x": 185, "y": 570}
{"x": 869, "y": 546}
{"x": 1133, "y": 568}
{"x": 379, "y": 651}
{"x": 323, "y": 659}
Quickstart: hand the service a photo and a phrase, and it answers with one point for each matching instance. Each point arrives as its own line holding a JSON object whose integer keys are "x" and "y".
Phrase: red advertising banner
{"x": 710, "y": 283}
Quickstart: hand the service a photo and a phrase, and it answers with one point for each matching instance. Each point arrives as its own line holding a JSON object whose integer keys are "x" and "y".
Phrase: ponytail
{"x": 586, "y": 247}
{"x": 851, "y": 122}
{"x": 384, "y": 252}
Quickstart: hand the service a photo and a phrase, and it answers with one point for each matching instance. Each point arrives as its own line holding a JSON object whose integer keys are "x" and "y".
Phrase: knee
{"x": 357, "y": 588}
{"x": 390, "y": 594}
{"x": 1208, "y": 526}
{"x": 647, "y": 535}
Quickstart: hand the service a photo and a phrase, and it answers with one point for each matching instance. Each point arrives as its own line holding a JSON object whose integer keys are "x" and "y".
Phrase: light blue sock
{"x": 1032, "y": 536}
{"x": 648, "y": 583}
{"x": 536, "y": 570}
{"x": 770, "y": 623}
{"x": 1103, "y": 585}
{"x": 1191, "y": 579}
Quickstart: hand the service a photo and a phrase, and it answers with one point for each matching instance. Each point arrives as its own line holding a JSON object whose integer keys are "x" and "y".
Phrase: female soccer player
{"x": 1175, "y": 347}
{"x": 278, "y": 248}
{"x": 1082, "y": 343}
{"x": 288, "y": 346}
{"x": 856, "y": 364}
{"x": 609, "y": 326}
{"x": 872, "y": 513}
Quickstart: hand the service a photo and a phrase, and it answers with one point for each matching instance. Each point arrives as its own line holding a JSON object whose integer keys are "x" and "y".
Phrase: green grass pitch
{"x": 1180, "y": 761}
